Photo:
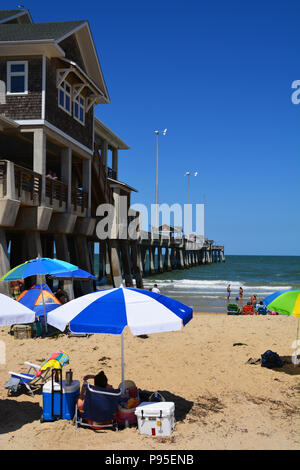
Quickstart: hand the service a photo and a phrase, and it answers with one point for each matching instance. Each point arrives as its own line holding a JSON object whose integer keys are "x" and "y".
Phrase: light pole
{"x": 156, "y": 178}
{"x": 188, "y": 174}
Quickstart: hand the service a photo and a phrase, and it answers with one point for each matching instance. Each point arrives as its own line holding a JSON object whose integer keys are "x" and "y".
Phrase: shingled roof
{"x": 8, "y": 13}
{"x": 15, "y": 16}
{"x": 37, "y": 31}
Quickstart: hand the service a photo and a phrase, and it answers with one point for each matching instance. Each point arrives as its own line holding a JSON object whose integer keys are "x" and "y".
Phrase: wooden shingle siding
{"x": 71, "y": 48}
{"x": 58, "y": 117}
{"x": 23, "y": 106}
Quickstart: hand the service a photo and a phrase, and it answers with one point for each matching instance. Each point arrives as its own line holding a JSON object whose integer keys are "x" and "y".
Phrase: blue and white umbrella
{"x": 12, "y": 312}
{"x": 111, "y": 310}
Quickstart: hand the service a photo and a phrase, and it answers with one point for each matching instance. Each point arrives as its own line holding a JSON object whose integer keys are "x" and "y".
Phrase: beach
{"x": 221, "y": 400}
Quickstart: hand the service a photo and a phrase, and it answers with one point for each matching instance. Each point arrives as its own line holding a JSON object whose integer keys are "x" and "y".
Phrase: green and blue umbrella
{"x": 38, "y": 266}
{"x": 286, "y": 302}
{"x": 76, "y": 274}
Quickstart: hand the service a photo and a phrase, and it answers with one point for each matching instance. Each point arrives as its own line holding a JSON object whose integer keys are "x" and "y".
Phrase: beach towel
{"x": 56, "y": 360}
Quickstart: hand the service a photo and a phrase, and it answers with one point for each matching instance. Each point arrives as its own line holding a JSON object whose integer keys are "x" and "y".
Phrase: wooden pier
{"x": 132, "y": 261}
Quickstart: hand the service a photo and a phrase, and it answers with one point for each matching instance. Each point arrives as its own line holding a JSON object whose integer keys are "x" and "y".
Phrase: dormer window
{"x": 65, "y": 96}
{"x": 17, "y": 77}
{"x": 79, "y": 109}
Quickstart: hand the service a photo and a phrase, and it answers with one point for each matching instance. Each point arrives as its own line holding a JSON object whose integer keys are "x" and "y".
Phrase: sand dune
{"x": 222, "y": 402}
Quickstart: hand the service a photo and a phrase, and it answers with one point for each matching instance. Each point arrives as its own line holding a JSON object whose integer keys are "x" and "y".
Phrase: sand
{"x": 222, "y": 402}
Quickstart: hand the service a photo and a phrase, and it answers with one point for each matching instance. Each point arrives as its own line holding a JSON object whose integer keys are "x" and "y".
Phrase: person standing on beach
{"x": 253, "y": 302}
{"x": 228, "y": 292}
{"x": 241, "y": 293}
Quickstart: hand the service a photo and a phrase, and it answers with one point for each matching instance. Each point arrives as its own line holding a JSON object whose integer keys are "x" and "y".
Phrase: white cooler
{"x": 156, "y": 419}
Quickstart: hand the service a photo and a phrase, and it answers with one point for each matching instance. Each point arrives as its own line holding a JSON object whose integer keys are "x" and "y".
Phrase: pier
{"x": 146, "y": 256}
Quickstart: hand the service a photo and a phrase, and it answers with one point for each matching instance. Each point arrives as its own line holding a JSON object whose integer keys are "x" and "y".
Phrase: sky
{"x": 218, "y": 75}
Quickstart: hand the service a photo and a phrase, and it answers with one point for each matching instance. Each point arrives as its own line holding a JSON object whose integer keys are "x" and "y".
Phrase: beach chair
{"x": 248, "y": 310}
{"x": 233, "y": 309}
{"x": 26, "y": 379}
{"x": 261, "y": 310}
{"x": 100, "y": 406}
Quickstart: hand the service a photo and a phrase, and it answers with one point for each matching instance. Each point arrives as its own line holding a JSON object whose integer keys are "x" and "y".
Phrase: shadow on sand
{"x": 182, "y": 406}
{"x": 15, "y": 414}
{"x": 288, "y": 366}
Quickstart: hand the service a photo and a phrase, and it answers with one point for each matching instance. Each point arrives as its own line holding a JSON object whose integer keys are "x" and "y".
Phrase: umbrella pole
{"x": 45, "y": 319}
{"x": 123, "y": 365}
{"x": 295, "y": 361}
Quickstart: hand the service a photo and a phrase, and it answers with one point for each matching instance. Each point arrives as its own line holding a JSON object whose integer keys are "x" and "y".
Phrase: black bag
{"x": 271, "y": 360}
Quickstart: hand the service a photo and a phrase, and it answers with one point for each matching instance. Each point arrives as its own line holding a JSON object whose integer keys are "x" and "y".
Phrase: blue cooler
{"x": 59, "y": 400}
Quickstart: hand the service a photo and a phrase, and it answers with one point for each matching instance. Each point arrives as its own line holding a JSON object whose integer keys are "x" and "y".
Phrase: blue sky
{"x": 218, "y": 75}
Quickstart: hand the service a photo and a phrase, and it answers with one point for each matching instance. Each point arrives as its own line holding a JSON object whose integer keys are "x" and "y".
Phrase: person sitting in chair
{"x": 100, "y": 380}
{"x": 261, "y": 308}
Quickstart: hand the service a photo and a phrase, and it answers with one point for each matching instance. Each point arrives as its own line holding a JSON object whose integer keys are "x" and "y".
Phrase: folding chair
{"x": 26, "y": 379}
{"x": 262, "y": 310}
{"x": 233, "y": 309}
{"x": 100, "y": 406}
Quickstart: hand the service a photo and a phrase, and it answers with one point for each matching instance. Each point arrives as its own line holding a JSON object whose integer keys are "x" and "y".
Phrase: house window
{"x": 64, "y": 97}
{"x": 17, "y": 77}
{"x": 79, "y": 108}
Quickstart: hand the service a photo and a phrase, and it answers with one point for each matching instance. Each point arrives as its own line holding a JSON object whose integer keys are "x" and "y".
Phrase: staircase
{"x": 101, "y": 192}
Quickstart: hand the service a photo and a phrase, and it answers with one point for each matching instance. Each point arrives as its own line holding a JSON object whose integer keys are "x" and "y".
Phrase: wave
{"x": 213, "y": 285}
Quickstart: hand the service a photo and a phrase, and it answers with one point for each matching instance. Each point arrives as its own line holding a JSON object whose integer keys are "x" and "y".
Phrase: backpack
{"x": 271, "y": 360}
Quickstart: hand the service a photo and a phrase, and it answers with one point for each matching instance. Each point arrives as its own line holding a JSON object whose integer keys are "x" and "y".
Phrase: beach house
{"x": 58, "y": 162}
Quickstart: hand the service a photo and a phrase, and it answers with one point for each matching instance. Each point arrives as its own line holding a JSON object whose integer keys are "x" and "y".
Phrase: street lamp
{"x": 188, "y": 174}
{"x": 156, "y": 179}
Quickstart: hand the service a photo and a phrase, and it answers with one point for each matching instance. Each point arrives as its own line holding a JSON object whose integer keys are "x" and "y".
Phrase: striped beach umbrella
{"x": 111, "y": 310}
{"x": 12, "y": 312}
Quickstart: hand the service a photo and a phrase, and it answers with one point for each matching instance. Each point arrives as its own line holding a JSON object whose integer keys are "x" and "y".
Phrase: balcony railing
{"x": 3, "y": 177}
{"x": 29, "y": 183}
{"x": 56, "y": 190}
{"x": 79, "y": 199}
{"x": 27, "y": 180}
{"x": 111, "y": 173}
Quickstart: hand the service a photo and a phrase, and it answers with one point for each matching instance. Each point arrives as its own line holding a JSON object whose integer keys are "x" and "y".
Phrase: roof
{"x": 37, "y": 31}
{"x": 6, "y": 122}
{"x": 124, "y": 186}
{"x": 19, "y": 15}
{"x": 114, "y": 140}
{"x": 4, "y": 14}
{"x": 46, "y": 38}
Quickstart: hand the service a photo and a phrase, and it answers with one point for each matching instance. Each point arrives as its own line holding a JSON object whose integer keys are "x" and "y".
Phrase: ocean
{"x": 204, "y": 287}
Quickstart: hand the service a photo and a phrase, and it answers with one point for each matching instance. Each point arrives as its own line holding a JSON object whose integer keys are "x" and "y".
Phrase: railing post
{"x": 66, "y": 174}
{"x": 86, "y": 184}
{"x": 10, "y": 180}
{"x": 39, "y": 159}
